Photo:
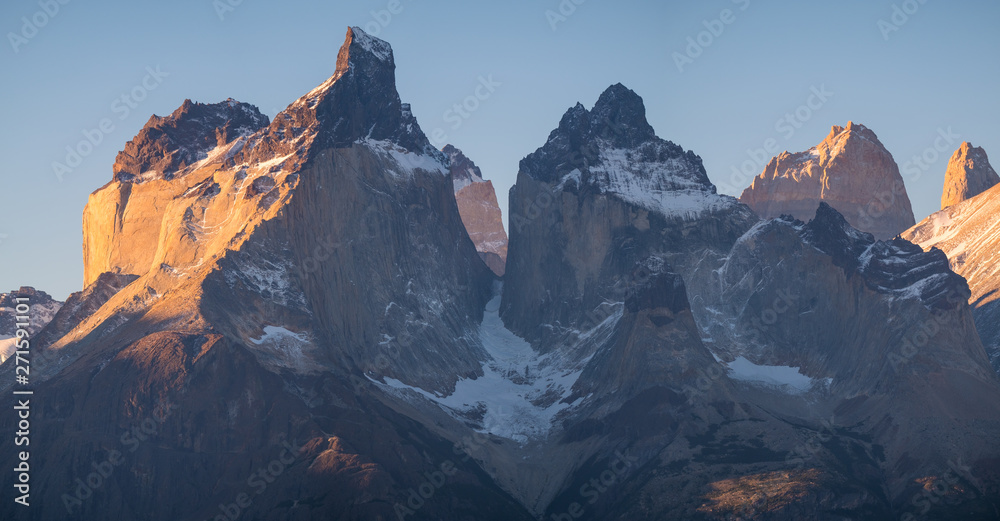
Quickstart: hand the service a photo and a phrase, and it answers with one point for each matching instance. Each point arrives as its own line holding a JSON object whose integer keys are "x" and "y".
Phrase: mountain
{"x": 477, "y": 203}
{"x": 41, "y": 309}
{"x": 969, "y": 234}
{"x": 969, "y": 174}
{"x": 850, "y": 170}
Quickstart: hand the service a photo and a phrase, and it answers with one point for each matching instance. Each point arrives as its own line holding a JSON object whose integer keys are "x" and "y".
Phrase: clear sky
{"x": 914, "y": 76}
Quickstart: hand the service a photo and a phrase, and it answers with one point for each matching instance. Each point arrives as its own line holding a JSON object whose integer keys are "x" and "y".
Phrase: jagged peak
{"x": 167, "y": 144}
{"x": 619, "y": 117}
{"x": 372, "y": 45}
{"x": 362, "y": 49}
{"x": 969, "y": 151}
{"x": 622, "y": 111}
{"x": 830, "y": 232}
{"x": 614, "y": 149}
{"x": 358, "y": 102}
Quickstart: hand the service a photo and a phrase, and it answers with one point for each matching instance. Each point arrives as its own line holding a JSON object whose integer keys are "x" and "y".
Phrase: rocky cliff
{"x": 850, "y": 170}
{"x": 477, "y": 202}
{"x": 969, "y": 174}
{"x": 969, "y": 234}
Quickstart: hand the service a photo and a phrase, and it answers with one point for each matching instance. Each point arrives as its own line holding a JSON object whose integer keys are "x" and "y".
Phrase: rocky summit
{"x": 969, "y": 174}
{"x": 166, "y": 145}
{"x": 293, "y": 319}
{"x": 850, "y": 170}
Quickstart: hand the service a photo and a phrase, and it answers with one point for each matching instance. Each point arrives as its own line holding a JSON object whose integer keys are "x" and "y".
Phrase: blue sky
{"x": 932, "y": 73}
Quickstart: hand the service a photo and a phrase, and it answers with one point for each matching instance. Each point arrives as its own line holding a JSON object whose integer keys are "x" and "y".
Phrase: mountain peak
{"x": 969, "y": 174}
{"x": 613, "y": 148}
{"x": 620, "y": 116}
{"x": 358, "y": 102}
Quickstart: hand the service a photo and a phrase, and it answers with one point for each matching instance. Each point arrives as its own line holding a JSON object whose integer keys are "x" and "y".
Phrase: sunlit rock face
{"x": 477, "y": 202}
{"x": 850, "y": 170}
{"x": 969, "y": 174}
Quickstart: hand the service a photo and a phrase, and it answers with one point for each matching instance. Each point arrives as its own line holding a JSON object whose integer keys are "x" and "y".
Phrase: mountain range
{"x": 320, "y": 316}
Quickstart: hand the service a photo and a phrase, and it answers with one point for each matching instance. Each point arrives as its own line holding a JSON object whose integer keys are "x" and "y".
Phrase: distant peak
{"x": 969, "y": 174}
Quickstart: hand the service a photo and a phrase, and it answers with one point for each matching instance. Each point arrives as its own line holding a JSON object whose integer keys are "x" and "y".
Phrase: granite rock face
{"x": 850, "y": 170}
{"x": 477, "y": 202}
{"x": 969, "y": 174}
{"x": 968, "y": 232}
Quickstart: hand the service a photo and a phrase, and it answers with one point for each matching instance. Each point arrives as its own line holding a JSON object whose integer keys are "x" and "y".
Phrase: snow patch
{"x": 407, "y": 161}
{"x": 520, "y": 392}
{"x": 379, "y": 48}
{"x": 668, "y": 187}
{"x": 280, "y": 347}
{"x": 785, "y": 378}
{"x": 460, "y": 183}
{"x": 274, "y": 334}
